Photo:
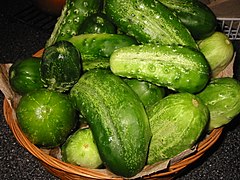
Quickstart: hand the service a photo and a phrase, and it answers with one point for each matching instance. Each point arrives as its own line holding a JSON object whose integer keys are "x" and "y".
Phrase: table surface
{"x": 21, "y": 37}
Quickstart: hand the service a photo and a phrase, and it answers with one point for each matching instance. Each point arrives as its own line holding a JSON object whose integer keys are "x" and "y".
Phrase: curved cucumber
{"x": 176, "y": 67}
{"x": 117, "y": 118}
{"x": 148, "y": 21}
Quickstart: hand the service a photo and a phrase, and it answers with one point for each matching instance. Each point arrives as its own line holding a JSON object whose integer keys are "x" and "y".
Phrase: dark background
{"x": 21, "y": 35}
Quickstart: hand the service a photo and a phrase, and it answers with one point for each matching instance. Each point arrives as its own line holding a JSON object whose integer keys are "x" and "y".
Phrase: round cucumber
{"x": 46, "y": 117}
{"x": 80, "y": 149}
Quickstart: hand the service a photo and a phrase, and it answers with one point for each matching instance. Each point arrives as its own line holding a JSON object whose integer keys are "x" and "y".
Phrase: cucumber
{"x": 71, "y": 19}
{"x": 149, "y": 22}
{"x": 61, "y": 66}
{"x": 80, "y": 149}
{"x": 24, "y": 75}
{"x": 117, "y": 119}
{"x": 96, "y": 48}
{"x": 222, "y": 97}
{"x": 176, "y": 121}
{"x": 178, "y": 68}
{"x": 98, "y": 23}
{"x": 211, "y": 46}
{"x": 147, "y": 92}
{"x": 195, "y": 15}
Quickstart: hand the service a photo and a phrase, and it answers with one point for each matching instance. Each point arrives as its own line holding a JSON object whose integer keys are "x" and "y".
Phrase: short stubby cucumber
{"x": 61, "y": 66}
{"x": 149, "y": 21}
{"x": 117, "y": 118}
{"x": 222, "y": 97}
{"x": 80, "y": 149}
{"x": 177, "y": 67}
{"x": 177, "y": 121}
{"x": 71, "y": 19}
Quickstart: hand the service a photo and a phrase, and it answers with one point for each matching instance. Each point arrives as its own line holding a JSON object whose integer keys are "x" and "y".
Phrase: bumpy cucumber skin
{"x": 176, "y": 121}
{"x": 96, "y": 48}
{"x": 178, "y": 68}
{"x": 100, "y": 45}
{"x": 61, "y": 66}
{"x": 196, "y": 16}
{"x": 117, "y": 118}
{"x": 71, "y": 19}
{"x": 222, "y": 97}
{"x": 149, "y": 22}
{"x": 98, "y": 23}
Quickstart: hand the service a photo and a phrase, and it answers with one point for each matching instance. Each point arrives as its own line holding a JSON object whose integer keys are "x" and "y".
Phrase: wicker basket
{"x": 67, "y": 171}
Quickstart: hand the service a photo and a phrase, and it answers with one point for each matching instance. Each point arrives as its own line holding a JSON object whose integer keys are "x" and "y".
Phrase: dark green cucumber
{"x": 61, "y": 66}
{"x": 98, "y": 23}
{"x": 149, "y": 21}
{"x": 71, "y": 19}
{"x": 96, "y": 49}
{"x": 195, "y": 15}
{"x": 117, "y": 118}
{"x": 177, "y": 121}
{"x": 176, "y": 67}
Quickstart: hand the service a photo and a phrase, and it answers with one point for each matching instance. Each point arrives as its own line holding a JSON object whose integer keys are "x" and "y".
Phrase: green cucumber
{"x": 177, "y": 121}
{"x": 149, "y": 22}
{"x": 148, "y": 93}
{"x": 222, "y": 97}
{"x": 24, "y": 75}
{"x": 175, "y": 67}
{"x": 80, "y": 149}
{"x": 117, "y": 119}
{"x": 71, "y": 19}
{"x": 61, "y": 66}
{"x": 96, "y": 49}
{"x": 195, "y": 15}
{"x": 98, "y": 23}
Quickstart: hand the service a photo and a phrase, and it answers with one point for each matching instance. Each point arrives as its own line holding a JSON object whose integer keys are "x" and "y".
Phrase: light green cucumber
{"x": 176, "y": 121}
{"x": 175, "y": 67}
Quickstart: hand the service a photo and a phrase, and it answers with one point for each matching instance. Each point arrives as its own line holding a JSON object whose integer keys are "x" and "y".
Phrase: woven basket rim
{"x": 50, "y": 161}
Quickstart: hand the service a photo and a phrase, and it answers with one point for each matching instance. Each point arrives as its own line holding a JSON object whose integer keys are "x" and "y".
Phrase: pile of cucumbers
{"x": 137, "y": 75}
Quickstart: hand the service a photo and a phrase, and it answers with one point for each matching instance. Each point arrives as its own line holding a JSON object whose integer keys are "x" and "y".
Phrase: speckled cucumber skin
{"x": 148, "y": 21}
{"x": 179, "y": 68}
{"x": 176, "y": 121}
{"x": 72, "y": 17}
{"x": 117, "y": 118}
{"x": 96, "y": 49}
{"x": 222, "y": 97}
{"x": 195, "y": 15}
{"x": 96, "y": 45}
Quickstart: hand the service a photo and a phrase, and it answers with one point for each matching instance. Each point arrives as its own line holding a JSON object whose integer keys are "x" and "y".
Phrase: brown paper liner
{"x": 51, "y": 160}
